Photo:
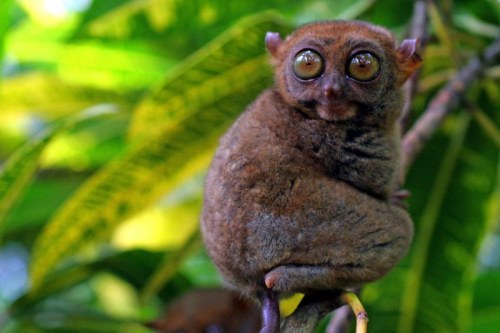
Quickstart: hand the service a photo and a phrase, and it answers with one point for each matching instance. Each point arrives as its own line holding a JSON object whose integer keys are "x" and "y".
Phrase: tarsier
{"x": 302, "y": 194}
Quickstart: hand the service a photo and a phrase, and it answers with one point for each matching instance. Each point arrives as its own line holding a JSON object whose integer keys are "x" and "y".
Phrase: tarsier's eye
{"x": 308, "y": 64}
{"x": 363, "y": 66}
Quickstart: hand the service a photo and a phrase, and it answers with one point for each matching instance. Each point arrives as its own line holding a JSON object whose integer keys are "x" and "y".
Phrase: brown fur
{"x": 298, "y": 194}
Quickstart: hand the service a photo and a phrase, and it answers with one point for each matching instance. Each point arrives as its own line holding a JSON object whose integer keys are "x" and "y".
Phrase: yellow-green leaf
{"x": 168, "y": 152}
{"x": 53, "y": 97}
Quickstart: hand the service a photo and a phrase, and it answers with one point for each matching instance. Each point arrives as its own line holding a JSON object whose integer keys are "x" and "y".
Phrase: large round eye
{"x": 363, "y": 66}
{"x": 307, "y": 65}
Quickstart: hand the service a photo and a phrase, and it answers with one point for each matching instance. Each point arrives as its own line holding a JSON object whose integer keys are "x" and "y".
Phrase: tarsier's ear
{"x": 273, "y": 41}
{"x": 409, "y": 59}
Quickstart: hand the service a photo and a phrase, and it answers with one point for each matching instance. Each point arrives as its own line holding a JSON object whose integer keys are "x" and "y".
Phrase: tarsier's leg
{"x": 270, "y": 312}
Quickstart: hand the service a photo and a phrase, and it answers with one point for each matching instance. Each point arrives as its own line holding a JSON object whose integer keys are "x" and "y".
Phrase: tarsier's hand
{"x": 399, "y": 198}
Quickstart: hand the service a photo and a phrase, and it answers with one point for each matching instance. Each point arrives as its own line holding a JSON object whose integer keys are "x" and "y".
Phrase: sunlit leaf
{"x": 161, "y": 160}
{"x": 224, "y": 67}
{"x": 133, "y": 18}
{"x": 5, "y": 16}
{"x": 52, "y": 97}
{"x": 18, "y": 171}
{"x": 170, "y": 266}
{"x": 99, "y": 64}
{"x": 158, "y": 227}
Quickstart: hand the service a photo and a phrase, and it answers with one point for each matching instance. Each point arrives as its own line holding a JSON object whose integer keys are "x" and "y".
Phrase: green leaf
{"x": 486, "y": 303}
{"x": 432, "y": 290}
{"x": 18, "y": 170}
{"x": 28, "y": 214}
{"x": 133, "y": 266}
{"x": 160, "y": 161}
{"x": 418, "y": 282}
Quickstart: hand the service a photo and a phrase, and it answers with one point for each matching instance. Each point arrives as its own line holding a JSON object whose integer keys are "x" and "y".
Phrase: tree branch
{"x": 443, "y": 103}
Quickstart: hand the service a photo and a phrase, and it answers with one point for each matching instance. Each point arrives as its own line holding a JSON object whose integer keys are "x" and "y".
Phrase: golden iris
{"x": 363, "y": 66}
{"x": 308, "y": 64}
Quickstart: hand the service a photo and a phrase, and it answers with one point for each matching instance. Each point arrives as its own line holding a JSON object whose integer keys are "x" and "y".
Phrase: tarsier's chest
{"x": 363, "y": 157}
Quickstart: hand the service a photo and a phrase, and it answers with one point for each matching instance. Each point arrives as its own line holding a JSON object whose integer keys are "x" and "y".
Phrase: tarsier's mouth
{"x": 336, "y": 111}
{"x": 329, "y": 110}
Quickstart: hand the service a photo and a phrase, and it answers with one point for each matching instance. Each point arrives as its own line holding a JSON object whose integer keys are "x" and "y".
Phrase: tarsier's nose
{"x": 332, "y": 89}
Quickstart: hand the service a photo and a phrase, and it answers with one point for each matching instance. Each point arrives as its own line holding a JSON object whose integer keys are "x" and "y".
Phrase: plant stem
{"x": 352, "y": 300}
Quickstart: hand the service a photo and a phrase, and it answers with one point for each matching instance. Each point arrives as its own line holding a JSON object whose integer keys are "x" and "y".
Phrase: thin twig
{"x": 357, "y": 308}
{"x": 446, "y": 100}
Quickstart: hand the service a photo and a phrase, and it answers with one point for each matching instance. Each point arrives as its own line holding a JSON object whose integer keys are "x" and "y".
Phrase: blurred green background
{"x": 110, "y": 112}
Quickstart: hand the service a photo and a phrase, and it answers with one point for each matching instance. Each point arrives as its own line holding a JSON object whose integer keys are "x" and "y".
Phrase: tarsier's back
{"x": 299, "y": 194}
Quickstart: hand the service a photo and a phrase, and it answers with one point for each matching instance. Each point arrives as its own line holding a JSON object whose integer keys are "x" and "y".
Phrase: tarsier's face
{"x": 337, "y": 70}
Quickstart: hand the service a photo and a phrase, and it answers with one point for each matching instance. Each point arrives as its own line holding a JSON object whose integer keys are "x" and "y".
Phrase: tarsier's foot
{"x": 291, "y": 278}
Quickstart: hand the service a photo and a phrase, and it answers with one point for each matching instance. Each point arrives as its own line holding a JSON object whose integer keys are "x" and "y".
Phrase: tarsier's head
{"x": 339, "y": 70}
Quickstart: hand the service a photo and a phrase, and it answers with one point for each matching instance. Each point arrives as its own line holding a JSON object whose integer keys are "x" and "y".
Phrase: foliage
{"x": 95, "y": 203}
